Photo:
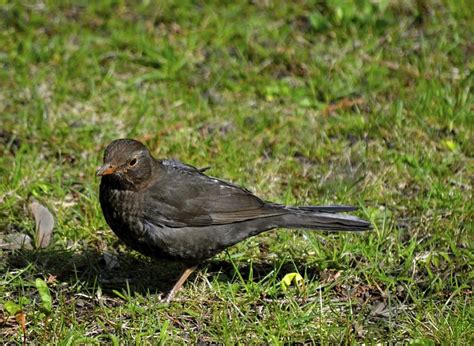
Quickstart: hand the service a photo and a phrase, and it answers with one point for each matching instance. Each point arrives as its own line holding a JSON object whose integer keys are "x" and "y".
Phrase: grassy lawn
{"x": 324, "y": 103}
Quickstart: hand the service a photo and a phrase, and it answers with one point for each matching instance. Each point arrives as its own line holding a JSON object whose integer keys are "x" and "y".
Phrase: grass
{"x": 367, "y": 104}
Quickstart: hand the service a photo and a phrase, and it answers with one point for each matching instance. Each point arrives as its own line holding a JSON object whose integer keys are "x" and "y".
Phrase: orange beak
{"x": 105, "y": 170}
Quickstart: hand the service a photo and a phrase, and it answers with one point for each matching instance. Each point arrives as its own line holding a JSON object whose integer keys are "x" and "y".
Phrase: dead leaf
{"x": 330, "y": 275}
{"x": 52, "y": 279}
{"x": 342, "y": 104}
{"x": 380, "y": 310}
{"x": 44, "y": 224}
{"x": 15, "y": 241}
{"x": 21, "y": 319}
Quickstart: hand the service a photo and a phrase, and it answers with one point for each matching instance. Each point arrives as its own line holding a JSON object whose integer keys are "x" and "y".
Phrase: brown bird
{"x": 166, "y": 209}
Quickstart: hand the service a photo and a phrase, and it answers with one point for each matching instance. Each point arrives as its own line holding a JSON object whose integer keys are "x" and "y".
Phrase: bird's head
{"x": 127, "y": 163}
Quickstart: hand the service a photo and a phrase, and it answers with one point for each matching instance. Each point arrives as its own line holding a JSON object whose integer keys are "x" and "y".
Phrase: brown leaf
{"x": 21, "y": 319}
{"x": 52, "y": 279}
{"x": 343, "y": 104}
{"x": 44, "y": 224}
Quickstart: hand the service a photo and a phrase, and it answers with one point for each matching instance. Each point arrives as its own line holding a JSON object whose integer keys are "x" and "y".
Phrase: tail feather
{"x": 288, "y": 217}
{"x": 324, "y": 218}
{"x": 328, "y": 208}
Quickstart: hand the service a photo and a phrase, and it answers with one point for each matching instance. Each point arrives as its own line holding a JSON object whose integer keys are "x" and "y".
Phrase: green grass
{"x": 262, "y": 93}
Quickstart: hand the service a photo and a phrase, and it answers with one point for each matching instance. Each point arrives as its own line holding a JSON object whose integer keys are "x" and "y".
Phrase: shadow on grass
{"x": 90, "y": 270}
{"x": 131, "y": 272}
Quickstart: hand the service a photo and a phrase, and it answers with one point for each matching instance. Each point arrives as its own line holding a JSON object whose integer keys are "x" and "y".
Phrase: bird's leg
{"x": 179, "y": 283}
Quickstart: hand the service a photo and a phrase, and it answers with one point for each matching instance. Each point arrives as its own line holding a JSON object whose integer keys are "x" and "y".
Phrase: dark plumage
{"x": 169, "y": 210}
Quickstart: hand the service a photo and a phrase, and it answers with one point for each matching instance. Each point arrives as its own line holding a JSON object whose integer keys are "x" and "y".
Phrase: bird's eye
{"x": 132, "y": 162}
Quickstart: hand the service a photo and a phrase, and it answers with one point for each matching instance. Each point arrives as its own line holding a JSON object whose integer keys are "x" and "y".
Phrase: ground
{"x": 366, "y": 103}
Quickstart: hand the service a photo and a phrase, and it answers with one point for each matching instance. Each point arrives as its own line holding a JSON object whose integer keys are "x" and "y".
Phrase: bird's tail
{"x": 323, "y": 218}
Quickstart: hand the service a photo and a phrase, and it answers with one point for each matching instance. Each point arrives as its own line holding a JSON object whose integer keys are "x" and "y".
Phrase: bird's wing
{"x": 178, "y": 165}
{"x": 183, "y": 196}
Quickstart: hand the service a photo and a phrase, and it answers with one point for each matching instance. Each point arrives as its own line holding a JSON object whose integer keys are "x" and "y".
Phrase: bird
{"x": 169, "y": 210}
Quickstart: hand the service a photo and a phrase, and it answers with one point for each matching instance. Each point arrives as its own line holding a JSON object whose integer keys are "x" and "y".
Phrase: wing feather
{"x": 184, "y": 196}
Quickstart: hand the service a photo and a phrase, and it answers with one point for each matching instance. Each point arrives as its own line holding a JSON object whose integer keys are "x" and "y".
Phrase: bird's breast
{"x": 122, "y": 210}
